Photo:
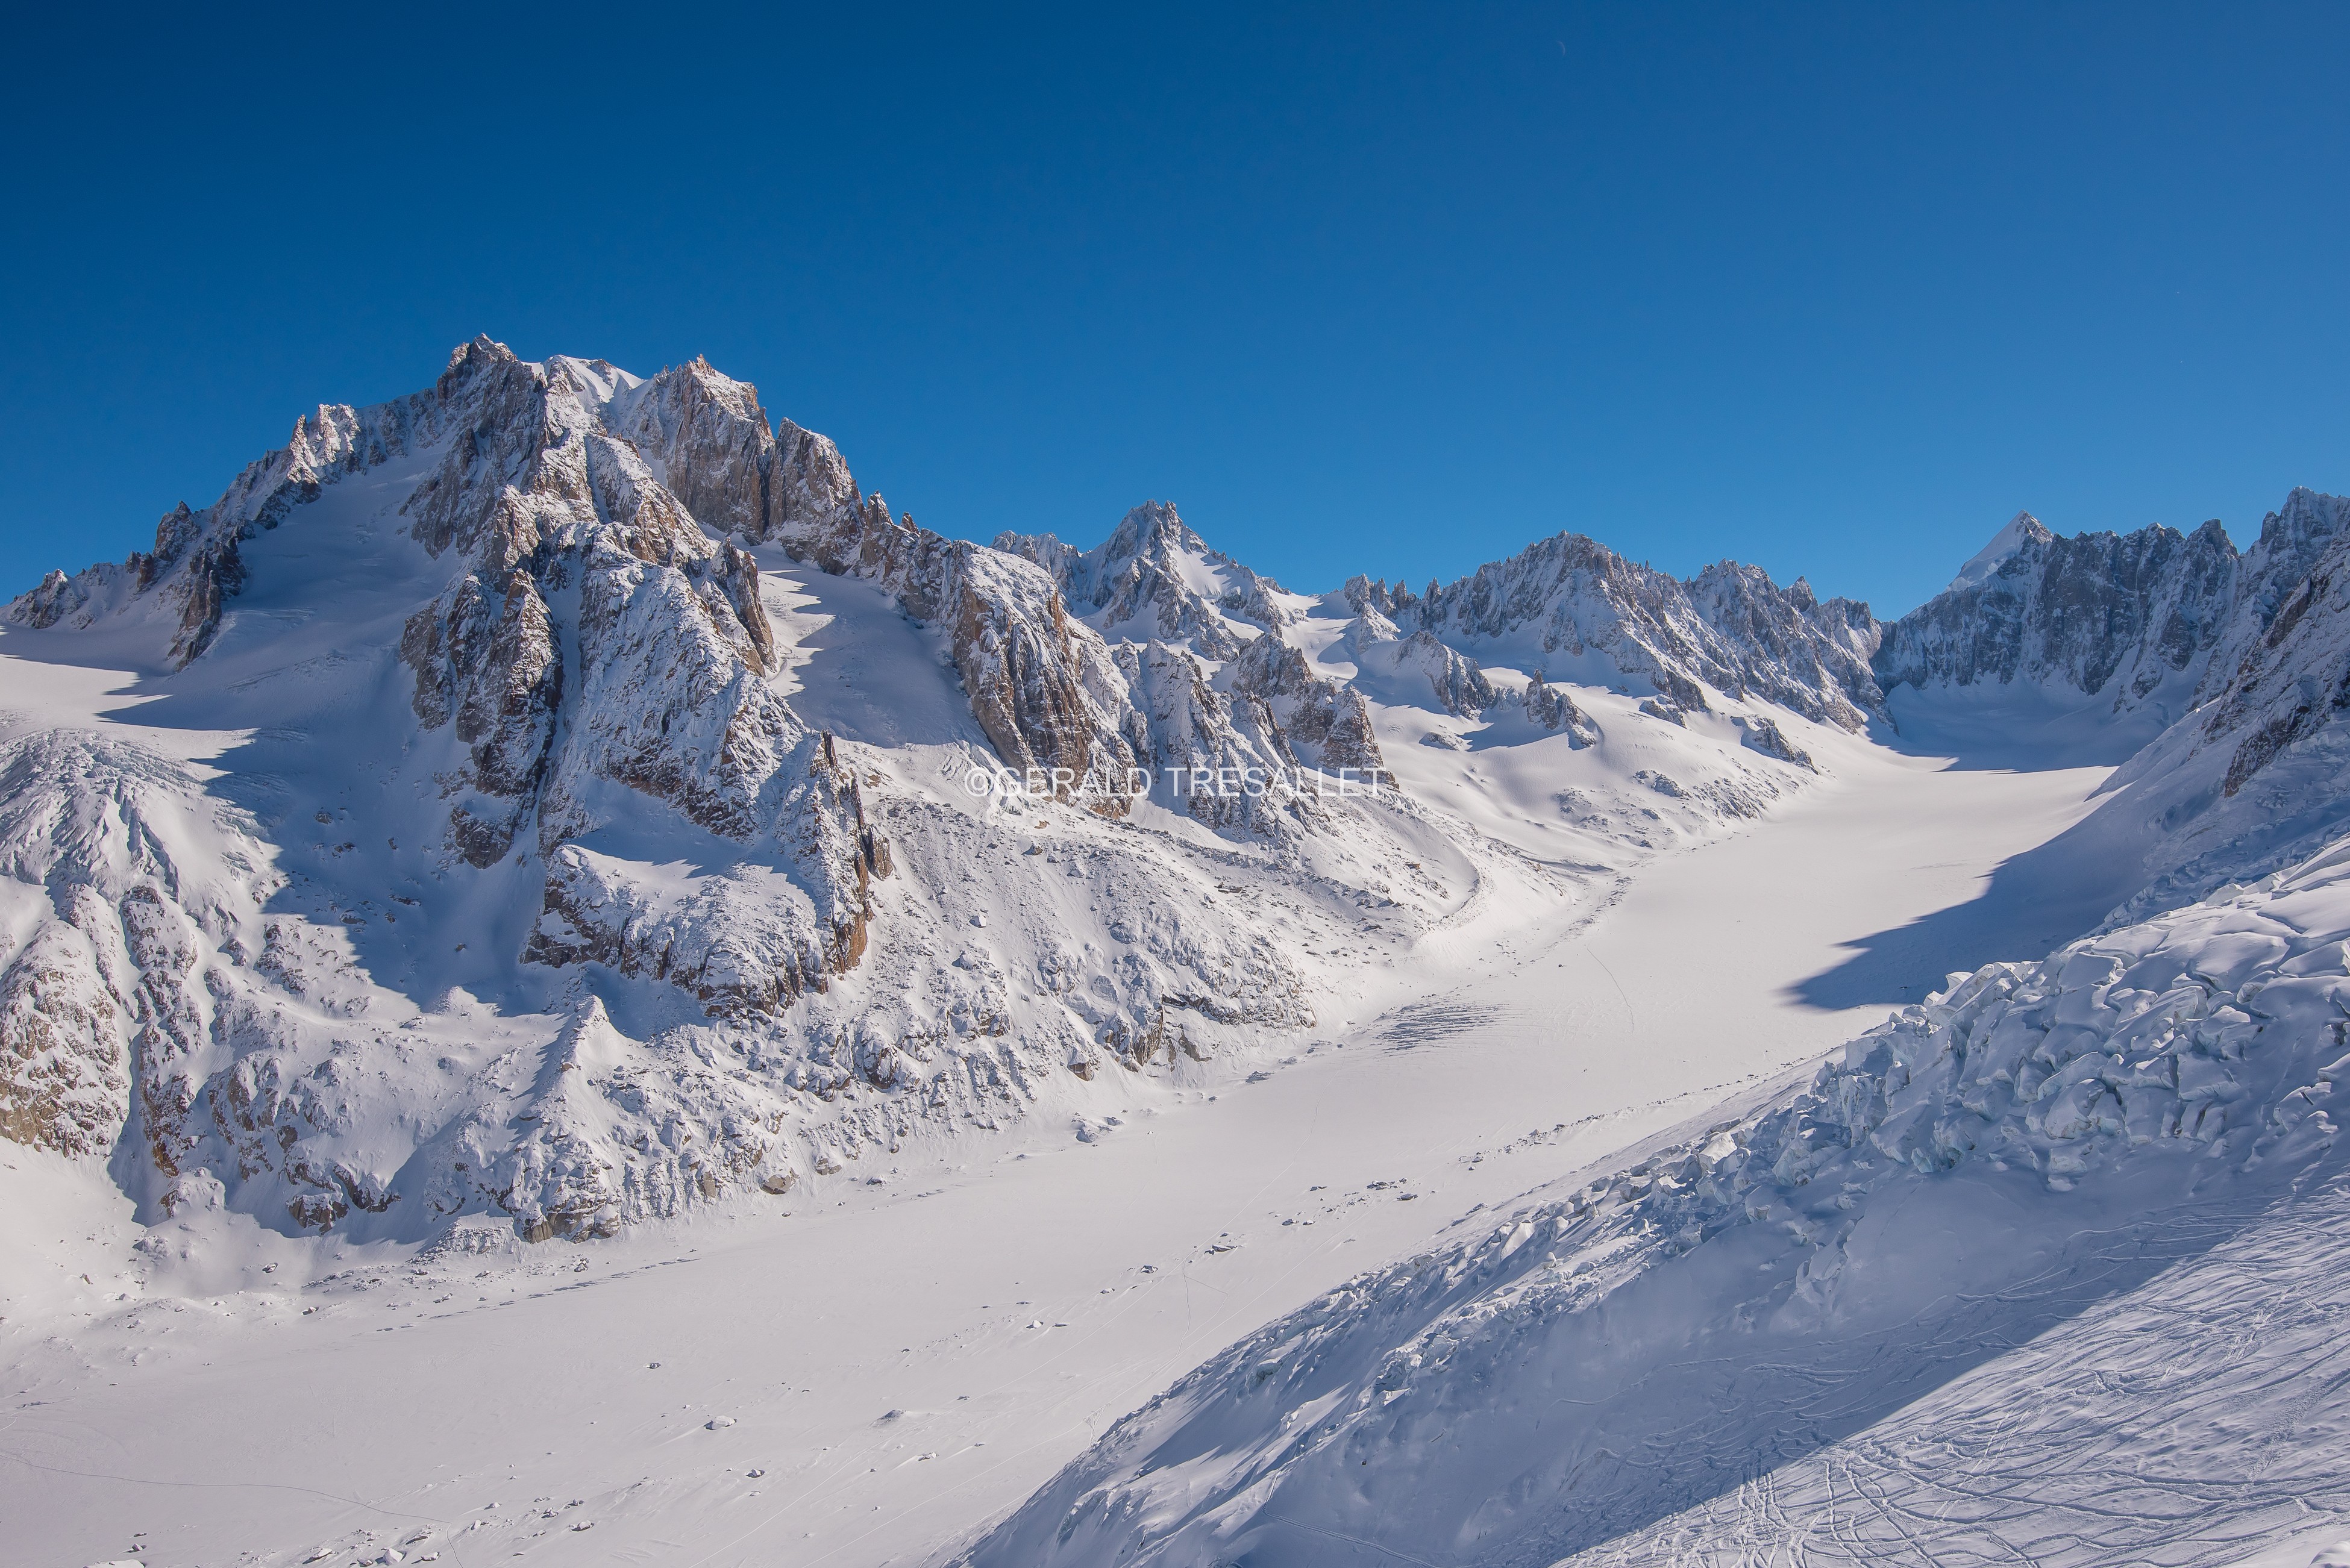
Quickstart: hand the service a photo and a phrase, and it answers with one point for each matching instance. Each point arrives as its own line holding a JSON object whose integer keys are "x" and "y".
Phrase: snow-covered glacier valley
{"x": 576, "y": 988}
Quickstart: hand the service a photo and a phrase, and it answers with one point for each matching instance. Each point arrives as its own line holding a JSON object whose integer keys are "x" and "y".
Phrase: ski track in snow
{"x": 2234, "y": 1369}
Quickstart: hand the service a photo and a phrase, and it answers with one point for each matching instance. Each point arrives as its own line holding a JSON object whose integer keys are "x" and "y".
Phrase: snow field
{"x": 943, "y": 1292}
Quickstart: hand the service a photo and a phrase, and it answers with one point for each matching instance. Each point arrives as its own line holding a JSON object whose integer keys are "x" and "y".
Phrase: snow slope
{"x": 1813, "y": 1324}
{"x": 582, "y": 988}
{"x": 546, "y": 853}
{"x": 1529, "y": 1046}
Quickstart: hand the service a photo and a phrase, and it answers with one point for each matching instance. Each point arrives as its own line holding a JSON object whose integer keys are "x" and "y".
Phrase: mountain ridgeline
{"x": 565, "y": 796}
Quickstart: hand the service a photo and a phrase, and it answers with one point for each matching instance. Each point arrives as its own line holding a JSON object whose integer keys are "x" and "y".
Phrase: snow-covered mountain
{"x": 562, "y": 805}
{"x": 566, "y": 796}
{"x": 544, "y": 650}
{"x": 2136, "y": 614}
{"x": 2208, "y": 674}
{"x": 1570, "y": 608}
{"x": 2022, "y": 528}
{"x": 2154, "y": 620}
{"x": 1880, "y": 1310}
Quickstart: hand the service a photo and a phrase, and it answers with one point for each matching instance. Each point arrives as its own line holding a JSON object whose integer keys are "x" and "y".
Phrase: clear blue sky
{"x": 1831, "y": 289}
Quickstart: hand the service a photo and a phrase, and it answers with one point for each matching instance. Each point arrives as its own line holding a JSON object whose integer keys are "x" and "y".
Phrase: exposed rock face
{"x": 2280, "y": 562}
{"x": 1041, "y": 684}
{"x": 105, "y": 1018}
{"x": 40, "y": 607}
{"x": 1664, "y": 709}
{"x": 1043, "y": 689}
{"x": 2292, "y": 679}
{"x": 1177, "y": 610}
{"x": 2156, "y": 618}
{"x": 1045, "y": 693}
{"x": 1554, "y": 709}
{"x": 65, "y": 1082}
{"x": 735, "y": 940}
{"x": 540, "y": 501}
{"x": 1567, "y": 602}
{"x": 2131, "y": 615}
{"x": 1788, "y": 645}
{"x": 1327, "y": 725}
{"x": 716, "y": 449}
{"x": 1459, "y": 685}
{"x": 1155, "y": 578}
{"x": 1766, "y": 736}
{"x": 1229, "y": 743}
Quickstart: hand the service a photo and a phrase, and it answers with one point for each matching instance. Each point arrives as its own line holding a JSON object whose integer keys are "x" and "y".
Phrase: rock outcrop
{"x": 1155, "y": 579}
{"x": 1554, "y": 709}
{"x": 1764, "y": 735}
{"x": 1327, "y": 725}
{"x": 2130, "y": 615}
{"x": 1571, "y": 606}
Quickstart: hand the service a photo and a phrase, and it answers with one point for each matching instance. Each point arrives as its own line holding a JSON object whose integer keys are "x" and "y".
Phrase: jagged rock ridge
{"x": 563, "y": 735}
{"x": 1154, "y": 579}
{"x": 2153, "y": 617}
{"x": 1569, "y": 605}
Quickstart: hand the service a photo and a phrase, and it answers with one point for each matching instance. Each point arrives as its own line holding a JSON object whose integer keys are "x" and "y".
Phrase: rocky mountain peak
{"x": 2021, "y": 531}
{"x": 1155, "y": 578}
{"x": 2153, "y": 619}
{"x": 1574, "y": 606}
{"x": 1153, "y": 531}
{"x": 2134, "y": 616}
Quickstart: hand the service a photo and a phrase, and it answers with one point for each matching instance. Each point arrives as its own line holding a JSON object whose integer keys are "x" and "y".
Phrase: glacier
{"x": 588, "y": 990}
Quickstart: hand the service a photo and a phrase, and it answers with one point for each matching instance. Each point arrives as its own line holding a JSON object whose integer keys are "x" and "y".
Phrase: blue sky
{"x": 1362, "y": 288}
